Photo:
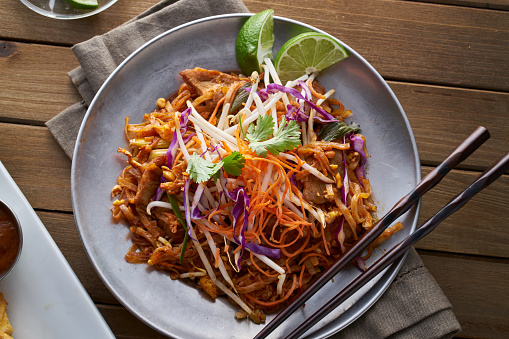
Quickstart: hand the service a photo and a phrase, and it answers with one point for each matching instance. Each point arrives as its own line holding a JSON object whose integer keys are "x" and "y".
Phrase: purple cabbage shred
{"x": 358, "y": 145}
{"x": 172, "y": 150}
{"x": 360, "y": 263}
{"x": 274, "y": 88}
{"x": 274, "y": 253}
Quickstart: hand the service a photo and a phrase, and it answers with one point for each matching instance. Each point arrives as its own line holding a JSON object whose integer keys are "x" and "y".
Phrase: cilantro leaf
{"x": 200, "y": 169}
{"x": 264, "y": 128}
{"x": 234, "y": 163}
{"x": 286, "y": 137}
{"x": 216, "y": 175}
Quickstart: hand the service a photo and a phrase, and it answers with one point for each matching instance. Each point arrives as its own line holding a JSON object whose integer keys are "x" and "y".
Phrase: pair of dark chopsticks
{"x": 463, "y": 151}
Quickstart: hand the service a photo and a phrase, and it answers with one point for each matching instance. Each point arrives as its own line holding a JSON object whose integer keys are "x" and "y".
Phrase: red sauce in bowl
{"x": 9, "y": 239}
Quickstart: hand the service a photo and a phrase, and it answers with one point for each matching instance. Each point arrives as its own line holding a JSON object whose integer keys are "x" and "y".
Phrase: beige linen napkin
{"x": 414, "y": 306}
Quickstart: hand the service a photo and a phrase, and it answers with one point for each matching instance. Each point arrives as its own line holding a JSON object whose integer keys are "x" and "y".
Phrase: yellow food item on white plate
{"x": 5, "y": 326}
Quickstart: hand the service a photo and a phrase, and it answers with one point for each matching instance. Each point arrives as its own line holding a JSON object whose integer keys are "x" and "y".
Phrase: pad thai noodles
{"x": 247, "y": 186}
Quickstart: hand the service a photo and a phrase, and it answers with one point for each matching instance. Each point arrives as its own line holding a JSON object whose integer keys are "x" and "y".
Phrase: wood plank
{"x": 38, "y": 165}
{"x": 477, "y": 290}
{"x": 124, "y": 325}
{"x": 457, "y": 46}
{"x": 39, "y": 88}
{"x": 441, "y": 117}
{"x": 490, "y": 4}
{"x": 479, "y": 228}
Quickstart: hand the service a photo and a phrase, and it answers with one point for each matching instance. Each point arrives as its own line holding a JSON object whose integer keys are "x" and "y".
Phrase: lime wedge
{"x": 255, "y": 41}
{"x": 83, "y": 4}
{"x": 307, "y": 53}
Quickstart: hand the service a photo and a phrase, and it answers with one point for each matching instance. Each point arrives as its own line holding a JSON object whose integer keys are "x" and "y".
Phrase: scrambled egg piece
{"x": 5, "y": 325}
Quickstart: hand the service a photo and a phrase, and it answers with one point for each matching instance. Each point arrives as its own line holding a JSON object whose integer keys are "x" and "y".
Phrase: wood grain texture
{"x": 125, "y": 325}
{"x": 489, "y": 4}
{"x": 451, "y": 39}
{"x": 441, "y": 117}
{"x": 479, "y": 228}
{"x": 477, "y": 290}
{"x": 475, "y": 286}
{"x": 35, "y": 85}
{"x": 38, "y": 165}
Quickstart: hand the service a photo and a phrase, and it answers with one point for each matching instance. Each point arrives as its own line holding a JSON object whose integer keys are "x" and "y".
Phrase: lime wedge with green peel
{"x": 83, "y": 4}
{"x": 254, "y": 41}
{"x": 307, "y": 53}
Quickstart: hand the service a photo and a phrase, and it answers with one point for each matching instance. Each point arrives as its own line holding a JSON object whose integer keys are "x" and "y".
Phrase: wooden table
{"x": 446, "y": 60}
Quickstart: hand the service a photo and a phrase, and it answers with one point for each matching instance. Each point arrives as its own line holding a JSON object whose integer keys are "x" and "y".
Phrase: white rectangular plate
{"x": 46, "y": 299}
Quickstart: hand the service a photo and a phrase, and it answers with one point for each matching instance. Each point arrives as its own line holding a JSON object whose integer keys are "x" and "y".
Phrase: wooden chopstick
{"x": 463, "y": 151}
{"x": 485, "y": 179}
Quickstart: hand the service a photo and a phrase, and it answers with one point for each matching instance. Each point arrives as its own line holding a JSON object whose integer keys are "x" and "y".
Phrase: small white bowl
{"x": 59, "y": 9}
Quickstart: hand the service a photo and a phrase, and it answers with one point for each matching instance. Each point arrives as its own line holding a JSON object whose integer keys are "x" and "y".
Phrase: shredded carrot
{"x": 196, "y": 140}
{"x": 285, "y": 252}
{"x": 226, "y": 147}
{"x": 325, "y": 243}
{"x": 225, "y": 232}
{"x": 315, "y": 93}
{"x": 301, "y": 275}
{"x": 219, "y": 211}
{"x": 312, "y": 248}
{"x": 314, "y": 255}
{"x": 213, "y": 117}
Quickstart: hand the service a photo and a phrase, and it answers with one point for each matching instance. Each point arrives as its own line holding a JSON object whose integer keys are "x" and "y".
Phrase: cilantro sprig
{"x": 234, "y": 163}
{"x": 285, "y": 138}
{"x": 263, "y": 129}
{"x": 201, "y": 170}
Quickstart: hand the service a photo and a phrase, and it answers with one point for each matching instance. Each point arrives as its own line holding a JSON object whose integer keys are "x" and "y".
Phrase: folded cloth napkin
{"x": 414, "y": 306}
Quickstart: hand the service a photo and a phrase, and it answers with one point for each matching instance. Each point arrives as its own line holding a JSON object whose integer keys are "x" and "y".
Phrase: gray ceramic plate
{"x": 175, "y": 308}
